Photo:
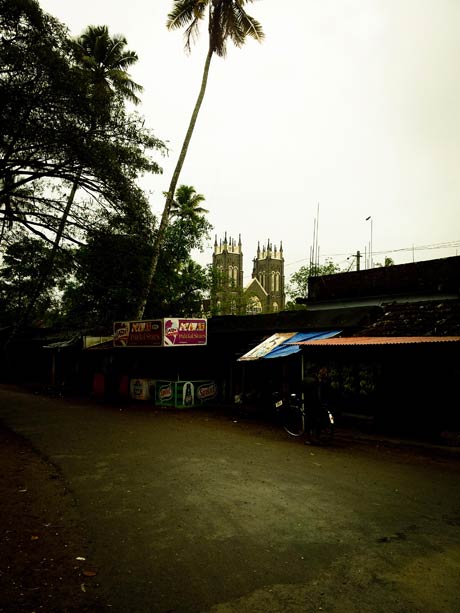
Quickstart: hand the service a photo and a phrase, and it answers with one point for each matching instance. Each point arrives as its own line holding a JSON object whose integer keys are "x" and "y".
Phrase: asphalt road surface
{"x": 201, "y": 511}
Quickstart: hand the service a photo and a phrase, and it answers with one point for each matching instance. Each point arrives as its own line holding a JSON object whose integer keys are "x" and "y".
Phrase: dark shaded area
{"x": 42, "y": 536}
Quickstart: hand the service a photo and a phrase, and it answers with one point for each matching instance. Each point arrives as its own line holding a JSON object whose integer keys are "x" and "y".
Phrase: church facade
{"x": 265, "y": 291}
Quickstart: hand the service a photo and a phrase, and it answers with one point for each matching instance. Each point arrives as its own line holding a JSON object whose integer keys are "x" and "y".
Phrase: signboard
{"x": 206, "y": 390}
{"x": 184, "y": 332}
{"x": 168, "y": 332}
{"x": 185, "y": 394}
{"x": 147, "y": 333}
{"x": 165, "y": 393}
{"x": 142, "y": 389}
{"x": 267, "y": 345}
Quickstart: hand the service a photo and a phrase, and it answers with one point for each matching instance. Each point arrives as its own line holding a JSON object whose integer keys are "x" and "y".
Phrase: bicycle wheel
{"x": 293, "y": 420}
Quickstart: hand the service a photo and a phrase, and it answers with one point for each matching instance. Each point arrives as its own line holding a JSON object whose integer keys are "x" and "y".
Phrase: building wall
{"x": 432, "y": 277}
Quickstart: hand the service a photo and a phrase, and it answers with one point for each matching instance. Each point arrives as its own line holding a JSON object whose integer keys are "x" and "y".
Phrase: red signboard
{"x": 148, "y": 333}
{"x": 169, "y": 332}
{"x": 184, "y": 332}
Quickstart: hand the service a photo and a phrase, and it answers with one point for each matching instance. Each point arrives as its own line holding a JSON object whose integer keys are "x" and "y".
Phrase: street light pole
{"x": 370, "y": 246}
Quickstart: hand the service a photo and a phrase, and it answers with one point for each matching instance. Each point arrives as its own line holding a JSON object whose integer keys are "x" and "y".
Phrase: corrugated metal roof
{"x": 381, "y": 340}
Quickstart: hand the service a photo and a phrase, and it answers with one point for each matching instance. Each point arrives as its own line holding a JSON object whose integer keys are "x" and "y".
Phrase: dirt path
{"x": 195, "y": 511}
{"x": 44, "y": 563}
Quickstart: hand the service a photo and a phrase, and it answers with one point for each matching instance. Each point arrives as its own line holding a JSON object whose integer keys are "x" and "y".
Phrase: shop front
{"x": 163, "y": 362}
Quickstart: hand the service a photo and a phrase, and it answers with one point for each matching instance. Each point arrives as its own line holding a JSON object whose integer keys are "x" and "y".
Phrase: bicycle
{"x": 318, "y": 424}
{"x": 293, "y": 416}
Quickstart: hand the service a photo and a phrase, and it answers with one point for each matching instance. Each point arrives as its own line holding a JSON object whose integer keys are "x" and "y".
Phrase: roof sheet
{"x": 381, "y": 340}
{"x": 282, "y": 344}
{"x": 290, "y": 345}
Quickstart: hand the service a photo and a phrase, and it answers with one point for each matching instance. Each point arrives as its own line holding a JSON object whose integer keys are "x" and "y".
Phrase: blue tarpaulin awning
{"x": 301, "y": 337}
{"x": 281, "y": 344}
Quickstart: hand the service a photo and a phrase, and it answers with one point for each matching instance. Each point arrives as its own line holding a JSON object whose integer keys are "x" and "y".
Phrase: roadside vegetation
{"x": 76, "y": 229}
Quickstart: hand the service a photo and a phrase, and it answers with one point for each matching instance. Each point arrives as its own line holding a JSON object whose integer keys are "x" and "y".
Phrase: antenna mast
{"x": 314, "y": 249}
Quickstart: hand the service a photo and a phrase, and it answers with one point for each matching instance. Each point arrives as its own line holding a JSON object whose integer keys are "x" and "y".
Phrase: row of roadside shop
{"x": 181, "y": 363}
{"x": 404, "y": 380}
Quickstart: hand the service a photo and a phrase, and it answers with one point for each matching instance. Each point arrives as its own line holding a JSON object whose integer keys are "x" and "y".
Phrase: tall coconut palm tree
{"x": 227, "y": 19}
{"x": 187, "y": 203}
{"x": 104, "y": 61}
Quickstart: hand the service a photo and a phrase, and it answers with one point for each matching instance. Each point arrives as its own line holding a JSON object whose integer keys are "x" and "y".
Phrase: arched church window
{"x": 277, "y": 282}
{"x": 275, "y": 307}
{"x": 235, "y": 274}
{"x": 253, "y": 306}
{"x": 272, "y": 280}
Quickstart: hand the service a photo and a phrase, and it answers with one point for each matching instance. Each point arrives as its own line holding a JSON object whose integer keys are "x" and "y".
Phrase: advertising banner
{"x": 165, "y": 393}
{"x": 142, "y": 389}
{"x": 266, "y": 346}
{"x": 148, "y": 333}
{"x": 185, "y": 394}
{"x": 206, "y": 391}
{"x": 185, "y": 332}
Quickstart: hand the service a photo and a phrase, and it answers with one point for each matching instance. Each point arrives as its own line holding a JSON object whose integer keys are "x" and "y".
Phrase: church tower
{"x": 268, "y": 270}
{"x": 227, "y": 264}
{"x": 265, "y": 292}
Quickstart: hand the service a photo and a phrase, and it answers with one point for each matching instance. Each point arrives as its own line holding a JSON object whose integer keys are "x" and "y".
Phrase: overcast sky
{"x": 352, "y": 106}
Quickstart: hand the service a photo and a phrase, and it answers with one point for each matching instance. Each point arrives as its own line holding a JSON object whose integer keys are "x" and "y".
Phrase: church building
{"x": 264, "y": 293}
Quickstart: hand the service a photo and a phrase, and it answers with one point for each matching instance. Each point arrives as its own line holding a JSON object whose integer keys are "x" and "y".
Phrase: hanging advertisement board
{"x": 184, "y": 331}
{"x": 168, "y": 332}
{"x": 147, "y": 333}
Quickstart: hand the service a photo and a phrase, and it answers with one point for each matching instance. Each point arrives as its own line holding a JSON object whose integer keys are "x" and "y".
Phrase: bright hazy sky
{"x": 352, "y": 106}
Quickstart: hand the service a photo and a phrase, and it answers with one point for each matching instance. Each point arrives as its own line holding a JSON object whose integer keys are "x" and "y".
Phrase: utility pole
{"x": 358, "y": 257}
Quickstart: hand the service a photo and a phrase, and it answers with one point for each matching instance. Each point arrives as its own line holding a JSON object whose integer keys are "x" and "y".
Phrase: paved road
{"x": 198, "y": 512}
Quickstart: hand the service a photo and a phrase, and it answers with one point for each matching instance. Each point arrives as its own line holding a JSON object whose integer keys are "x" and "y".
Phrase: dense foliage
{"x": 75, "y": 227}
{"x": 47, "y": 115}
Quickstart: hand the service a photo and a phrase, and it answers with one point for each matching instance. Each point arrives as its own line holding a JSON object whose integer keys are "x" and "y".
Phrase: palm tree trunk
{"x": 149, "y": 285}
{"x": 48, "y": 267}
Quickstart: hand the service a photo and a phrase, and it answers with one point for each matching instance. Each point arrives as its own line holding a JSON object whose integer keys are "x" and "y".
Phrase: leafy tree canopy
{"x": 64, "y": 125}
{"x": 110, "y": 270}
{"x": 47, "y": 113}
{"x": 22, "y": 261}
{"x": 298, "y": 283}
